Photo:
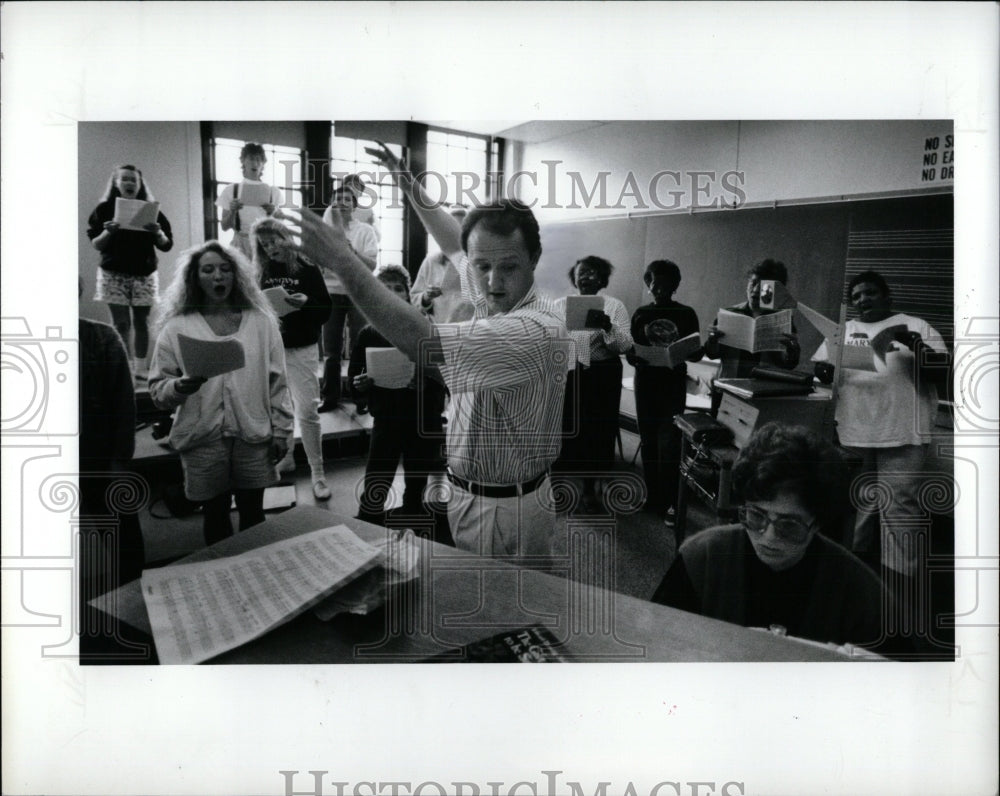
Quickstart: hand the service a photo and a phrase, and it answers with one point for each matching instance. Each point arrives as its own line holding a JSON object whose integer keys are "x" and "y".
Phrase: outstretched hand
{"x": 324, "y": 243}
{"x": 386, "y": 159}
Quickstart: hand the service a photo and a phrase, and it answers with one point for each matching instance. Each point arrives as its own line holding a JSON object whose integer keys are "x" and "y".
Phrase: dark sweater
{"x": 301, "y": 327}
{"x": 672, "y": 381}
{"x": 829, "y": 596}
{"x": 129, "y": 251}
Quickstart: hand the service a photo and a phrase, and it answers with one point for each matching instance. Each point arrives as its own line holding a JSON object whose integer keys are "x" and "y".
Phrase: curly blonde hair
{"x": 260, "y": 259}
{"x": 184, "y": 295}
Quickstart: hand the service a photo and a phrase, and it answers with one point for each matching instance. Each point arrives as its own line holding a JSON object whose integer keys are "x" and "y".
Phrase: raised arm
{"x": 435, "y": 218}
{"x": 400, "y": 322}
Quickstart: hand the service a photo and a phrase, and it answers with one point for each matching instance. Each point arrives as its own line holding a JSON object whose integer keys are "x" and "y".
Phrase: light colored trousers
{"x": 300, "y": 368}
{"x": 517, "y": 527}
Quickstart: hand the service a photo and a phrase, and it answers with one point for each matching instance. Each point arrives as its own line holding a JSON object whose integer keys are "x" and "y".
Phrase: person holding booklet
{"x": 230, "y": 429}
{"x": 126, "y": 279}
{"x": 594, "y": 388}
{"x": 244, "y": 202}
{"x": 281, "y": 266}
{"x": 660, "y": 391}
{"x": 407, "y": 420}
{"x": 885, "y": 413}
{"x": 737, "y": 362}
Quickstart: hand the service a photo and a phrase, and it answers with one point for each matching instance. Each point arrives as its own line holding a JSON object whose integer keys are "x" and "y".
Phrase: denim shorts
{"x": 226, "y": 464}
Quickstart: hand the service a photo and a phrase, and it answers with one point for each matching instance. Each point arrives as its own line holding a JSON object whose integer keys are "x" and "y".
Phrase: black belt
{"x": 485, "y": 490}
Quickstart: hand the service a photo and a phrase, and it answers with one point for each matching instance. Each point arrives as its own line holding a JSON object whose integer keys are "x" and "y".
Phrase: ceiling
{"x": 535, "y": 132}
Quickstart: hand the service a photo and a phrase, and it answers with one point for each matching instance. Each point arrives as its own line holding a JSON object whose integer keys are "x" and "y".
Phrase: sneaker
{"x": 328, "y": 405}
{"x": 320, "y": 490}
{"x": 670, "y": 519}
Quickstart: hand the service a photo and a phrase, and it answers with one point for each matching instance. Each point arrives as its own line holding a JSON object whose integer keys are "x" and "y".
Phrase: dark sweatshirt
{"x": 301, "y": 327}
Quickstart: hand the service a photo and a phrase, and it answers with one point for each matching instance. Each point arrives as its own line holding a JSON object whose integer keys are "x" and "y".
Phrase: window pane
{"x": 342, "y": 148}
{"x": 392, "y": 236}
{"x": 392, "y": 257}
{"x": 227, "y": 165}
{"x": 287, "y": 171}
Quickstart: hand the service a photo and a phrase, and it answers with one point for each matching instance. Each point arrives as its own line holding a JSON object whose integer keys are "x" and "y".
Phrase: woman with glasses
{"x": 778, "y": 567}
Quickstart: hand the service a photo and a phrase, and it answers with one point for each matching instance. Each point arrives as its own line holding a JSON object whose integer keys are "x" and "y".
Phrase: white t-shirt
{"x": 248, "y": 190}
{"x": 363, "y": 241}
{"x": 883, "y": 408}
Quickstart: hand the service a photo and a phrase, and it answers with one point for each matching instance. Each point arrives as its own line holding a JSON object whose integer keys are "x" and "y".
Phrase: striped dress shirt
{"x": 506, "y": 374}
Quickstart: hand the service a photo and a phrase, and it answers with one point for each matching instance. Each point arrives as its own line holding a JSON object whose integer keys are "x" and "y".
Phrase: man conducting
{"x": 505, "y": 369}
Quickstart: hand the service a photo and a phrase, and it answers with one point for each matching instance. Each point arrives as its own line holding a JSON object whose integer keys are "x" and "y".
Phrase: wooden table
{"x": 460, "y": 598}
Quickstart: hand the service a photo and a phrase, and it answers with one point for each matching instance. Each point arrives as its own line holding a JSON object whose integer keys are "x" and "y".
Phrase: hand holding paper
{"x": 668, "y": 356}
{"x": 882, "y": 342}
{"x": 135, "y": 214}
{"x": 281, "y": 300}
{"x": 577, "y": 308}
{"x": 255, "y": 194}
{"x": 764, "y": 333}
{"x": 596, "y": 319}
{"x": 208, "y": 358}
{"x": 389, "y": 368}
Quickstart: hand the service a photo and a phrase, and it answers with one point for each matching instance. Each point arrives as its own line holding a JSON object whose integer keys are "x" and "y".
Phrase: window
{"x": 347, "y": 156}
{"x": 461, "y": 169}
{"x": 283, "y": 170}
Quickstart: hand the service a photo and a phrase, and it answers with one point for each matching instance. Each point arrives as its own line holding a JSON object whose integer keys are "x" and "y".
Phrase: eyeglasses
{"x": 756, "y": 521}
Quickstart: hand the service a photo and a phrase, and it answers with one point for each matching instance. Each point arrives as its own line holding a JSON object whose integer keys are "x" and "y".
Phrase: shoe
{"x": 670, "y": 518}
{"x": 328, "y": 405}
{"x": 320, "y": 490}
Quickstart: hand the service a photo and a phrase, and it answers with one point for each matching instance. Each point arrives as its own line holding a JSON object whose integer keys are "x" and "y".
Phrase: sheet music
{"x": 672, "y": 355}
{"x": 210, "y": 358}
{"x": 135, "y": 213}
{"x": 277, "y": 296}
{"x": 200, "y": 610}
{"x": 389, "y": 367}
{"x": 768, "y": 330}
{"x": 576, "y": 311}
{"x": 754, "y": 334}
{"x": 399, "y": 560}
{"x": 255, "y": 194}
{"x": 825, "y": 326}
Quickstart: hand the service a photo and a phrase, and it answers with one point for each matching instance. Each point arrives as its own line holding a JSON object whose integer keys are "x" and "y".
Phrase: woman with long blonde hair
{"x": 279, "y": 265}
{"x": 230, "y": 430}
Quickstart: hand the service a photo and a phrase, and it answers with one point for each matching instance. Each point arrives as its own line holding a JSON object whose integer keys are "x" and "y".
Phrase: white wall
{"x": 779, "y": 161}
{"x": 169, "y": 156}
